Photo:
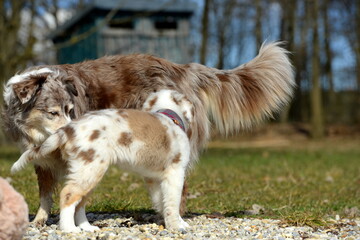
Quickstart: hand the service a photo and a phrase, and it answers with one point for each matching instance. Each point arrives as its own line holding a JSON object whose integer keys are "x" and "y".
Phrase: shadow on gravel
{"x": 125, "y": 218}
{"x": 128, "y": 218}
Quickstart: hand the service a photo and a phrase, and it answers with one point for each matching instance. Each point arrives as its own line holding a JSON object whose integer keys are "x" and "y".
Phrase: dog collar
{"x": 173, "y": 116}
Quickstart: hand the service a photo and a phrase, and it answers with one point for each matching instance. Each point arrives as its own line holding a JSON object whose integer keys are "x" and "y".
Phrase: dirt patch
{"x": 296, "y": 136}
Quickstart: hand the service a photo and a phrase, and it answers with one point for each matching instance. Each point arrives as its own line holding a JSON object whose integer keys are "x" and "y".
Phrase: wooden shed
{"x": 108, "y": 27}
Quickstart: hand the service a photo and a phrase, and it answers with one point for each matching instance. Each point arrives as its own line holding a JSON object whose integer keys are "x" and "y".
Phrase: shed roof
{"x": 146, "y": 5}
{"x": 180, "y": 6}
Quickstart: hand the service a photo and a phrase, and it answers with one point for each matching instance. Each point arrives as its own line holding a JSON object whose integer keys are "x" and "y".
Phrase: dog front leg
{"x": 71, "y": 195}
{"x": 153, "y": 186}
{"x": 46, "y": 182}
{"x": 81, "y": 219}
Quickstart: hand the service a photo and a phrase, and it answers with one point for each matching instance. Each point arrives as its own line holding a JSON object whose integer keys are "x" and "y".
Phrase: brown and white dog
{"x": 150, "y": 144}
{"x": 41, "y": 99}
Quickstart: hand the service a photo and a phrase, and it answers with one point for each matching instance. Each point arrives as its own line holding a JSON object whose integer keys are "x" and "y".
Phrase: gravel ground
{"x": 142, "y": 226}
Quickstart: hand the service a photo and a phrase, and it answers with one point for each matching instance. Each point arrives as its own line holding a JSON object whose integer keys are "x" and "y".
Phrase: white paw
{"x": 89, "y": 228}
{"x": 179, "y": 225}
{"x": 183, "y": 225}
{"x": 71, "y": 229}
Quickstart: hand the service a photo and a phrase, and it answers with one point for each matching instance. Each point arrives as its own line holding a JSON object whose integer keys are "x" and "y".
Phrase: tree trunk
{"x": 357, "y": 56}
{"x": 302, "y": 72}
{"x": 258, "y": 24}
{"x": 204, "y": 32}
{"x": 317, "y": 128}
{"x": 224, "y": 14}
{"x": 14, "y": 54}
{"x": 328, "y": 63}
{"x": 289, "y": 8}
{"x": 221, "y": 50}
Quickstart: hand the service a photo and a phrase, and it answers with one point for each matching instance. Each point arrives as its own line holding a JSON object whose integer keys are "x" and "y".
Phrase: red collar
{"x": 173, "y": 116}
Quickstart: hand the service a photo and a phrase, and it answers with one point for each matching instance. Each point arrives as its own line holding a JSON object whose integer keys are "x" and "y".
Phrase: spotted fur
{"x": 148, "y": 143}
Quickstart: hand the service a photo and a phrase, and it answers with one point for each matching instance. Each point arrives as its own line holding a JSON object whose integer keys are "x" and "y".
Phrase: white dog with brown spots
{"x": 153, "y": 144}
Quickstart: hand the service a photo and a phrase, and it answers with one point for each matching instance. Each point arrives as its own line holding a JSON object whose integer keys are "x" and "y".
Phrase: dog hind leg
{"x": 171, "y": 187}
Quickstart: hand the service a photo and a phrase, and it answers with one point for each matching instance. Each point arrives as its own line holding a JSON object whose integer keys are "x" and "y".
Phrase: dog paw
{"x": 38, "y": 222}
{"x": 183, "y": 225}
{"x": 180, "y": 225}
{"x": 90, "y": 228}
{"x": 40, "y": 219}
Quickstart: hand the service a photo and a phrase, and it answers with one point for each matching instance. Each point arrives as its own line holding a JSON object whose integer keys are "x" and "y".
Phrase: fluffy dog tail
{"x": 38, "y": 155}
{"x": 242, "y": 97}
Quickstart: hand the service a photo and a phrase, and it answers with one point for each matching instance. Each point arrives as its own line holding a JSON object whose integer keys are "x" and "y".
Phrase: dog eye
{"x": 54, "y": 113}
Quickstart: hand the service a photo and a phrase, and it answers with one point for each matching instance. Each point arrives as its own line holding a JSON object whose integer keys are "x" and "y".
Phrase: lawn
{"x": 299, "y": 184}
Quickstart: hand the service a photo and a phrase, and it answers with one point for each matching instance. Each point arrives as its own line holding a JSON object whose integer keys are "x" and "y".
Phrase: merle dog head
{"x": 37, "y": 103}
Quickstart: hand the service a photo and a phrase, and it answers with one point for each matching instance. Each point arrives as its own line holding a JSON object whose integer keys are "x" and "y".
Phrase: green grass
{"x": 296, "y": 185}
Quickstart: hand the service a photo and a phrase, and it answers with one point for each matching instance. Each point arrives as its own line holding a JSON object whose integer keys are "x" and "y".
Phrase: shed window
{"x": 119, "y": 23}
{"x": 165, "y": 24}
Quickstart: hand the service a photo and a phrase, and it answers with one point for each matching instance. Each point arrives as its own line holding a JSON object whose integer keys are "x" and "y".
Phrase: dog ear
{"x": 70, "y": 87}
{"x": 26, "y": 89}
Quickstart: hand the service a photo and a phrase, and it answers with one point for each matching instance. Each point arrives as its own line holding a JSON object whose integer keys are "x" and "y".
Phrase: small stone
{"x": 295, "y": 234}
{"x": 207, "y": 235}
{"x": 102, "y": 236}
{"x": 124, "y": 177}
{"x": 8, "y": 179}
{"x": 352, "y": 212}
{"x": 32, "y": 233}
